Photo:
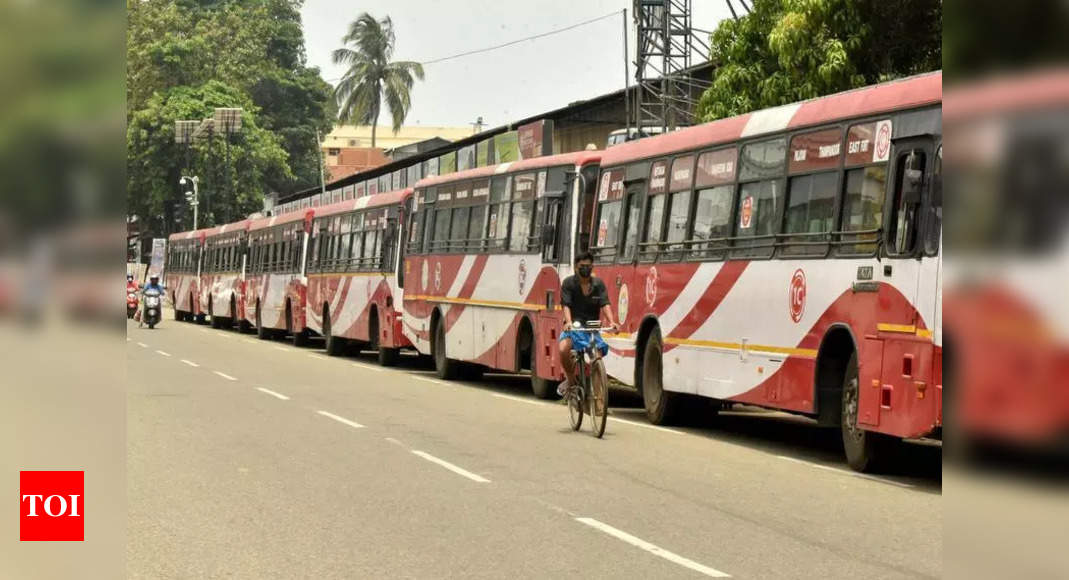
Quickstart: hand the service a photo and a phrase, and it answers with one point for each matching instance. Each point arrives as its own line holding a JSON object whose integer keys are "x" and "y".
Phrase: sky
{"x": 504, "y": 85}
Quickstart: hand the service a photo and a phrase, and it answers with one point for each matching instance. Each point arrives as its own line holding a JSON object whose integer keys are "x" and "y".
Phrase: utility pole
{"x": 319, "y": 151}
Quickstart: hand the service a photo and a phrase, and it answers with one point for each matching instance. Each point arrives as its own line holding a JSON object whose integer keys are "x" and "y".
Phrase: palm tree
{"x": 372, "y": 78}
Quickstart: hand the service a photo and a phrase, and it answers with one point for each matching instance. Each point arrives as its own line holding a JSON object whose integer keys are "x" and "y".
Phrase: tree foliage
{"x": 791, "y": 50}
{"x": 188, "y": 56}
{"x": 372, "y": 77}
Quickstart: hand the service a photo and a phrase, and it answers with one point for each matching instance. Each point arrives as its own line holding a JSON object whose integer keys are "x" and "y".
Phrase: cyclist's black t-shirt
{"x": 585, "y": 308}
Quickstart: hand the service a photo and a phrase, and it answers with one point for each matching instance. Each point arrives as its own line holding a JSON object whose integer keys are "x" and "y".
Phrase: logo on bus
{"x": 424, "y": 275}
{"x": 437, "y": 276}
{"x": 523, "y": 274}
{"x": 796, "y": 296}
{"x": 651, "y": 286}
{"x": 882, "y": 150}
{"x": 622, "y": 304}
{"x": 747, "y": 212}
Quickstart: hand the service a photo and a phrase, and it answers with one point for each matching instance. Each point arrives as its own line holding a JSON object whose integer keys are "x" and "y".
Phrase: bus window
{"x": 441, "y": 229}
{"x": 712, "y": 220}
{"x": 608, "y": 225}
{"x": 476, "y": 227}
{"x": 756, "y": 219}
{"x": 863, "y": 208}
{"x": 522, "y": 218}
{"x": 634, "y": 213}
{"x": 678, "y": 212}
{"x": 459, "y": 229}
{"x": 810, "y": 212}
{"x": 654, "y": 227}
{"x": 909, "y": 175}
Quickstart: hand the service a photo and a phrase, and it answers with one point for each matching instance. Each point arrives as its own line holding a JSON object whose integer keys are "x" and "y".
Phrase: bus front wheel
{"x": 445, "y": 367}
{"x": 661, "y": 406}
{"x": 864, "y": 449}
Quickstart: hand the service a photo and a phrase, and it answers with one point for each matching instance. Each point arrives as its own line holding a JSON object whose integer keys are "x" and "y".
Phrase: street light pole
{"x": 192, "y": 196}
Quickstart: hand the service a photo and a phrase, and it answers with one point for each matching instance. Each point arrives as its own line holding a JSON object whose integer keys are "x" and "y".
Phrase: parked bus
{"x": 354, "y": 274}
{"x": 222, "y": 278}
{"x": 275, "y": 285}
{"x": 1007, "y": 322}
{"x": 487, "y": 249}
{"x": 787, "y": 258}
{"x": 182, "y": 274}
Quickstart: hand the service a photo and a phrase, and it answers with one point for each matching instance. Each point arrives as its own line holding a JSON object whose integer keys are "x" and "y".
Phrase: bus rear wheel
{"x": 386, "y": 356}
{"x": 661, "y": 406}
{"x": 865, "y": 450}
{"x": 335, "y": 345}
{"x": 541, "y": 387}
{"x": 444, "y": 367}
{"x": 261, "y": 332}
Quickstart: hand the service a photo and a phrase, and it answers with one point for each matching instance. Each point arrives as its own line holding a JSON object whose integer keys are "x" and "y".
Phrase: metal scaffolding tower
{"x": 668, "y": 46}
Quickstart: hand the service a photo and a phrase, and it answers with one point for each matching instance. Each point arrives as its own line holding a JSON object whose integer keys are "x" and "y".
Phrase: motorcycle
{"x": 152, "y": 314}
{"x": 131, "y": 302}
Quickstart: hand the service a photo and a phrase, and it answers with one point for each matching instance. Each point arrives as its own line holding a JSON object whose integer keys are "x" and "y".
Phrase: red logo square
{"x": 52, "y": 506}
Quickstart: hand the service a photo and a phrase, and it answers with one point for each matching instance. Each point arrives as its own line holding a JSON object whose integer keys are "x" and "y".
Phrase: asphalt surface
{"x": 255, "y": 459}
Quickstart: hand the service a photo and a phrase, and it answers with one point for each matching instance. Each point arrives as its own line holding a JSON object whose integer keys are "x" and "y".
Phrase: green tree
{"x": 372, "y": 77}
{"x": 791, "y": 50}
{"x": 254, "y": 48}
{"x": 155, "y": 162}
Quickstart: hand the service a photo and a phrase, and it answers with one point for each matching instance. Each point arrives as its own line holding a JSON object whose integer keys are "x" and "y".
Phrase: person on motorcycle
{"x": 584, "y": 298}
{"x": 154, "y": 284}
{"x": 131, "y": 286}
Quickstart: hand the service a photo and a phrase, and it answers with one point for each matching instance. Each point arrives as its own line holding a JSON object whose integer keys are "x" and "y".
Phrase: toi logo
{"x": 796, "y": 295}
{"x": 51, "y": 506}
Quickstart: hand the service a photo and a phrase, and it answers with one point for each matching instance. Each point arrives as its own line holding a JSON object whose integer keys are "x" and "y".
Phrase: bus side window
{"x": 909, "y": 179}
{"x": 631, "y": 221}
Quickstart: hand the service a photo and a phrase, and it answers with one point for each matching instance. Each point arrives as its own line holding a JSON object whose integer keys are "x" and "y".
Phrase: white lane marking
{"x": 142, "y": 345}
{"x": 163, "y": 353}
{"x": 394, "y": 441}
{"x": 225, "y": 376}
{"x": 457, "y": 470}
{"x": 273, "y": 394}
{"x": 647, "y": 426}
{"x": 435, "y": 381}
{"x": 520, "y": 400}
{"x": 222, "y": 335}
{"x": 368, "y": 367}
{"x": 128, "y": 339}
{"x": 845, "y": 472}
{"x": 352, "y": 424}
{"x": 283, "y": 349}
{"x": 190, "y": 363}
{"x": 317, "y": 355}
{"x": 655, "y": 550}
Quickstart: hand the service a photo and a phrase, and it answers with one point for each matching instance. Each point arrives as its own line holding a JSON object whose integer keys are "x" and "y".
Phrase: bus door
{"x": 895, "y": 359}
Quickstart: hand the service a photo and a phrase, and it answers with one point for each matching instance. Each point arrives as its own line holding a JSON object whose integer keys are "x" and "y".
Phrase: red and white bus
{"x": 486, "y": 253}
{"x": 222, "y": 274}
{"x": 354, "y": 277}
{"x": 276, "y": 283}
{"x": 787, "y": 258}
{"x": 182, "y": 274}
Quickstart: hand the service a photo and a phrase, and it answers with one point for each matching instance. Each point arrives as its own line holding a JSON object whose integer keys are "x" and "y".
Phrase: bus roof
{"x": 225, "y": 228}
{"x": 1041, "y": 89}
{"x": 575, "y": 158}
{"x": 363, "y": 202}
{"x": 916, "y": 91}
{"x": 293, "y": 216}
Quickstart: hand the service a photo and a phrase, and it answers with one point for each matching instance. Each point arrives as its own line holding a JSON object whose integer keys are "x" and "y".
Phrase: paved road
{"x": 255, "y": 459}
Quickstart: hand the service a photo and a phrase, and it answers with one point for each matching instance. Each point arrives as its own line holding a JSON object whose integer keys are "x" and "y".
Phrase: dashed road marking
{"x": 368, "y": 367}
{"x": 653, "y": 549}
{"x": 163, "y": 353}
{"x": 435, "y": 381}
{"x": 457, "y": 470}
{"x": 352, "y": 424}
{"x": 142, "y": 345}
{"x": 190, "y": 363}
{"x": 273, "y": 394}
{"x": 225, "y": 376}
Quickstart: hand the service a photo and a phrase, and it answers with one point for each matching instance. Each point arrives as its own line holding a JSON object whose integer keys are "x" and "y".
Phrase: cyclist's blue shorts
{"x": 581, "y": 341}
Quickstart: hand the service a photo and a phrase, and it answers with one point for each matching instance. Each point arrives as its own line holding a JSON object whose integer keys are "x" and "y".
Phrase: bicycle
{"x": 591, "y": 395}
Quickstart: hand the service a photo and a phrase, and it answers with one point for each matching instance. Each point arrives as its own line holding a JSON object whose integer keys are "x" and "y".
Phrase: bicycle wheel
{"x": 575, "y": 401}
{"x": 599, "y": 398}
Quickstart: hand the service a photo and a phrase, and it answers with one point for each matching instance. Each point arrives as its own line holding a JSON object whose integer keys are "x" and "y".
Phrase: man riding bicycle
{"x": 584, "y": 298}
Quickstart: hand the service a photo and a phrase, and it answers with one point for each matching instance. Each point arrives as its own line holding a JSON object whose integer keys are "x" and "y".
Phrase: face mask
{"x": 585, "y": 271}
